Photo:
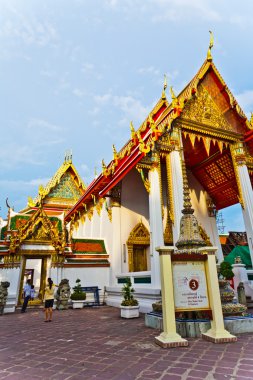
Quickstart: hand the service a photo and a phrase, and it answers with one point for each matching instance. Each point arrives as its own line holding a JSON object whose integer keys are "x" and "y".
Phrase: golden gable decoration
{"x": 39, "y": 227}
{"x": 202, "y": 109}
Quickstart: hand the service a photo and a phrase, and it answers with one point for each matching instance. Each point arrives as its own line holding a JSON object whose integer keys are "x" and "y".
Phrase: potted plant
{"x": 78, "y": 296}
{"x": 129, "y": 306}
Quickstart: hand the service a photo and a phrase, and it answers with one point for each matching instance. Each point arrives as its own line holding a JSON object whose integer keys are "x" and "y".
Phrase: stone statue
{"x": 63, "y": 295}
{"x": 3, "y": 295}
{"x": 241, "y": 294}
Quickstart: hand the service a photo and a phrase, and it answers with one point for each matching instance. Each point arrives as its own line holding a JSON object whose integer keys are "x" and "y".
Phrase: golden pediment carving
{"x": 139, "y": 235}
{"x": 202, "y": 109}
{"x": 39, "y": 233}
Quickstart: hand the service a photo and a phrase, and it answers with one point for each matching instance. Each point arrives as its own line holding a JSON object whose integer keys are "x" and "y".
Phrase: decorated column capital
{"x": 238, "y": 153}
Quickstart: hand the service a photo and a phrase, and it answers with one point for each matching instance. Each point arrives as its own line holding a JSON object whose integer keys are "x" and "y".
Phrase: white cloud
{"x": 78, "y": 92}
{"x": 94, "y": 111}
{"x": 47, "y": 73}
{"x": 130, "y": 106}
{"x": 22, "y": 154}
{"x": 245, "y": 100}
{"x": 149, "y": 70}
{"x": 87, "y": 67}
{"x": 168, "y": 10}
{"x": 43, "y": 125}
{"x": 12, "y": 184}
{"x": 28, "y": 29}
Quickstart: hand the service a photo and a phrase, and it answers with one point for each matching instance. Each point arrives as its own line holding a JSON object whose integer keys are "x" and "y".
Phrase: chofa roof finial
{"x": 164, "y": 87}
{"x": 209, "y": 54}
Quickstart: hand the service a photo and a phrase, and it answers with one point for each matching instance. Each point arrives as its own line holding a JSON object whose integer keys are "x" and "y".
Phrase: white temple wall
{"x": 95, "y": 225}
{"x": 88, "y": 276}
{"x": 134, "y": 209}
{"x": 87, "y": 228}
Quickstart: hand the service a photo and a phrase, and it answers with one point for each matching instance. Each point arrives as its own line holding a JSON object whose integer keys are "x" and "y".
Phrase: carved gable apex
{"x": 139, "y": 235}
{"x": 65, "y": 189}
{"x": 39, "y": 232}
{"x": 202, "y": 109}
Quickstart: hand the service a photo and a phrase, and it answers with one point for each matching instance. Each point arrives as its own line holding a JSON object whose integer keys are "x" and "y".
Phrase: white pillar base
{"x": 168, "y": 340}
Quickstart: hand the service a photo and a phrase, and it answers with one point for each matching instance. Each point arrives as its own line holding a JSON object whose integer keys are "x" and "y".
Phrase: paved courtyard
{"x": 95, "y": 343}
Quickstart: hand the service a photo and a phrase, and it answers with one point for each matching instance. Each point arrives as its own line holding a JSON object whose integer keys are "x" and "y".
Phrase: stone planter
{"x": 129, "y": 311}
{"x": 77, "y": 304}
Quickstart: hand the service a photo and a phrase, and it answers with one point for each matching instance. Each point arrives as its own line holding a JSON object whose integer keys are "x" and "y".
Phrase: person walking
{"x": 27, "y": 295}
{"x": 49, "y": 300}
{"x": 32, "y": 292}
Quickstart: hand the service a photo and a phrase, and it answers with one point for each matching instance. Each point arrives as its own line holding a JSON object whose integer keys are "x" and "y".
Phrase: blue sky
{"x": 75, "y": 73}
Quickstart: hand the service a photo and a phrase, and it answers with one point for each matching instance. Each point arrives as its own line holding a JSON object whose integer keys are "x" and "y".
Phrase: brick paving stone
{"x": 242, "y": 372}
{"x": 246, "y": 367}
{"x": 198, "y": 374}
{"x": 177, "y": 370}
{"x": 95, "y": 343}
{"x": 225, "y": 371}
{"x": 170, "y": 377}
{"x": 246, "y": 361}
{"x": 219, "y": 376}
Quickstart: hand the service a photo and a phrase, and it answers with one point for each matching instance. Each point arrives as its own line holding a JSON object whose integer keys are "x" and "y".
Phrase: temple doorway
{"x": 138, "y": 245}
{"x": 34, "y": 269}
{"x": 139, "y": 258}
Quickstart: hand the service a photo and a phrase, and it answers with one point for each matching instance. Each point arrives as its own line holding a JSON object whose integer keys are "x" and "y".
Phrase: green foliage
{"x": 78, "y": 294}
{"x": 127, "y": 292}
{"x": 226, "y": 270}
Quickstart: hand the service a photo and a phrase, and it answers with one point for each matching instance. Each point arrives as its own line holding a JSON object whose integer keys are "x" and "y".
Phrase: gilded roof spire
{"x": 68, "y": 156}
{"x": 187, "y": 199}
{"x": 209, "y": 54}
{"x": 164, "y": 87}
{"x": 173, "y": 97}
{"x": 251, "y": 118}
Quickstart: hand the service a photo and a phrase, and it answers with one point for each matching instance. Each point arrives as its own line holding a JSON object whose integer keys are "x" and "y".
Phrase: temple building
{"x": 112, "y": 230}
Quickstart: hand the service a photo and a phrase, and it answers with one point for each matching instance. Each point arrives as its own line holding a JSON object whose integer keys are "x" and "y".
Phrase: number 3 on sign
{"x": 193, "y": 284}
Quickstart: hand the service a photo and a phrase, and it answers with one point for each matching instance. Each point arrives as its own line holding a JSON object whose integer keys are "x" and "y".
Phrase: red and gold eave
{"x": 198, "y": 160}
{"x": 138, "y": 146}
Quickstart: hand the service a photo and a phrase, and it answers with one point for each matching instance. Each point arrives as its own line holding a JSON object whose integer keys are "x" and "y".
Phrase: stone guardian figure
{"x": 3, "y": 295}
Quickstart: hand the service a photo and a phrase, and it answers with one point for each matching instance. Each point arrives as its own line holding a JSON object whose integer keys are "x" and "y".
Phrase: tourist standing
{"x": 49, "y": 300}
{"x": 26, "y": 294}
{"x": 32, "y": 292}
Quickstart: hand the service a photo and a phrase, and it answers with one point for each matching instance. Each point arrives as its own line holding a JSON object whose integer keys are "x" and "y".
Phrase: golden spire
{"x": 151, "y": 122}
{"x": 251, "y": 118}
{"x": 173, "y": 97}
{"x": 114, "y": 151}
{"x": 132, "y": 127}
{"x": 95, "y": 172}
{"x": 132, "y": 130}
{"x": 164, "y": 87}
{"x": 209, "y": 54}
{"x": 189, "y": 237}
{"x": 103, "y": 165}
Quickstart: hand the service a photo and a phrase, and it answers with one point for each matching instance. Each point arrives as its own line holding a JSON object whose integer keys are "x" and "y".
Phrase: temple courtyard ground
{"x": 95, "y": 343}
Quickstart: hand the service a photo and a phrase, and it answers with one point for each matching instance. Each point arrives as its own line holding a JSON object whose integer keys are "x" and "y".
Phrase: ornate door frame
{"x": 138, "y": 236}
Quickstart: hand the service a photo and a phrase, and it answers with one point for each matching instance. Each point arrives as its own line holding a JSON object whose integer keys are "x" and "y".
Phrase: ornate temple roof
{"x": 62, "y": 191}
{"x": 209, "y": 117}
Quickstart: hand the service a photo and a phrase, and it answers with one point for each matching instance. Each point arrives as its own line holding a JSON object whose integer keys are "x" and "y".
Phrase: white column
{"x": 177, "y": 192}
{"x": 247, "y": 212}
{"x": 216, "y": 239}
{"x": 156, "y": 225}
{"x": 115, "y": 258}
